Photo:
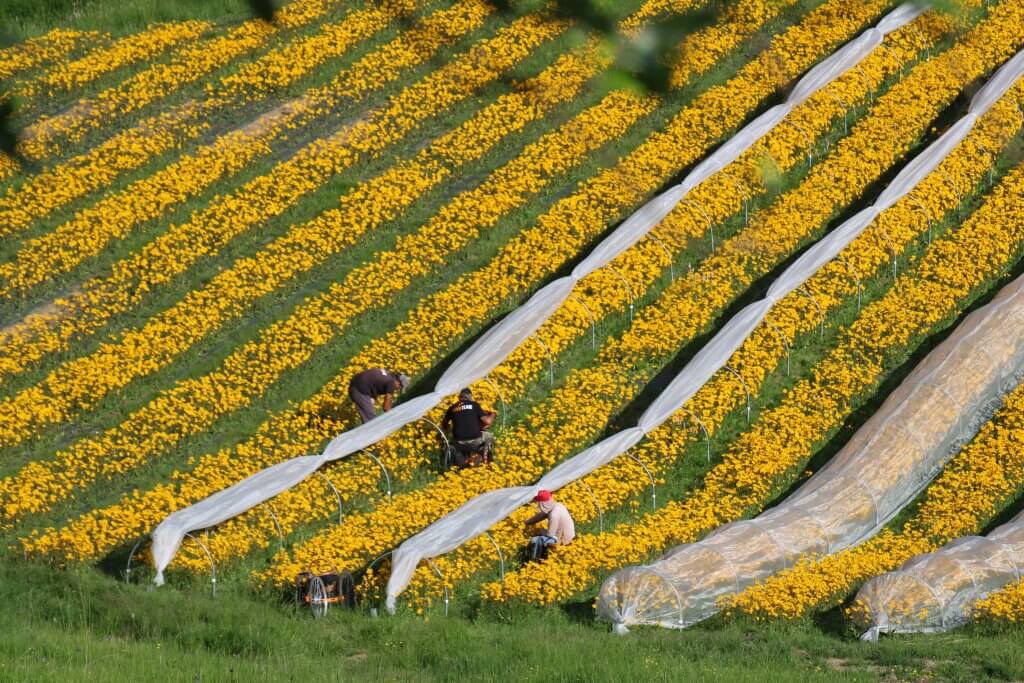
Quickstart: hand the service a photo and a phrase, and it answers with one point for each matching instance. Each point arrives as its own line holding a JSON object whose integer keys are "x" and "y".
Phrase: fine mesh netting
{"x": 497, "y": 343}
{"x": 887, "y": 463}
{"x": 480, "y": 513}
{"x": 936, "y": 591}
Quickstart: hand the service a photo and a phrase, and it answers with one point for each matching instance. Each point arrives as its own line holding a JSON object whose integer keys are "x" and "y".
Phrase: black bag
{"x": 535, "y": 551}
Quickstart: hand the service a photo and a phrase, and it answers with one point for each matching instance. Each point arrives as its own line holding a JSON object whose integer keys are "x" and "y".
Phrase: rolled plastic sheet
{"x": 937, "y": 591}
{"x": 465, "y": 523}
{"x": 890, "y": 460}
{"x": 496, "y": 344}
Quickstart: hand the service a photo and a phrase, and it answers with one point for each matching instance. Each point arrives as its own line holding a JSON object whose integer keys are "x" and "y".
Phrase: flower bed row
{"x": 422, "y": 339}
{"x": 770, "y": 454}
{"x": 40, "y": 50}
{"x": 1005, "y": 606}
{"x": 147, "y": 44}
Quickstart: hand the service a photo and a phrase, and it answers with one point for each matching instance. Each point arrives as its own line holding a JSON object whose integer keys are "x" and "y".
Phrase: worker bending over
{"x": 469, "y": 423}
{"x": 560, "y": 531}
{"x": 365, "y": 387}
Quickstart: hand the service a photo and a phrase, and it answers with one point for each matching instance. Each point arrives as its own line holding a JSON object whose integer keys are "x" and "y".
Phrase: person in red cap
{"x": 560, "y": 531}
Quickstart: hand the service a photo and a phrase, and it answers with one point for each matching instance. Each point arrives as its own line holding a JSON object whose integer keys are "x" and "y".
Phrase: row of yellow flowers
{"x": 41, "y": 50}
{"x": 37, "y": 51}
{"x": 145, "y": 45}
{"x": 420, "y": 342}
{"x": 775, "y": 449}
{"x": 34, "y": 53}
{"x": 550, "y": 432}
{"x": 162, "y": 132}
{"x": 614, "y": 484}
{"x": 93, "y": 228}
{"x": 47, "y": 137}
{"x": 450, "y": 229}
{"x": 78, "y": 384}
{"x": 978, "y": 482}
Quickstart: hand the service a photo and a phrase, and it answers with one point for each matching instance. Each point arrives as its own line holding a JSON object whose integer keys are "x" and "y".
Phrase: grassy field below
{"x": 83, "y": 625}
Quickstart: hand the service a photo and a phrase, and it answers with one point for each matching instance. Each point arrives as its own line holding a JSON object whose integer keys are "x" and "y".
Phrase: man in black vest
{"x": 469, "y": 422}
{"x": 366, "y": 386}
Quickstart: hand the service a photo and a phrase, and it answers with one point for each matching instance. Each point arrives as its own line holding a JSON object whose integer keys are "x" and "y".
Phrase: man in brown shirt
{"x": 366, "y": 386}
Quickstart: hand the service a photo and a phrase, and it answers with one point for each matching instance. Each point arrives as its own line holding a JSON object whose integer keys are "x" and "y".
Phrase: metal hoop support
{"x": 956, "y": 189}
{"x": 504, "y": 405}
{"x": 807, "y": 139}
{"x": 593, "y": 320}
{"x": 650, "y": 477}
{"x": 892, "y": 249}
{"x": 387, "y": 475}
{"x": 629, "y": 290}
{"x": 846, "y": 111}
{"x": 707, "y": 436}
{"x": 551, "y": 361}
{"x": 855, "y": 275}
{"x": 743, "y": 191}
{"x": 337, "y": 494}
{"x": 711, "y": 228}
{"x": 447, "y": 598}
{"x": 369, "y": 568}
{"x": 597, "y": 505}
{"x": 924, "y": 41}
{"x": 501, "y": 556}
{"x": 444, "y": 438}
{"x": 213, "y": 566}
{"x": 277, "y": 522}
{"x": 892, "y": 53}
{"x": 782, "y": 338}
{"x": 209, "y": 557}
{"x": 746, "y": 389}
{"x": 991, "y": 166}
{"x": 668, "y": 255}
{"x": 377, "y": 559}
{"x": 128, "y": 567}
{"x": 865, "y": 81}
{"x": 821, "y": 314}
{"x": 924, "y": 209}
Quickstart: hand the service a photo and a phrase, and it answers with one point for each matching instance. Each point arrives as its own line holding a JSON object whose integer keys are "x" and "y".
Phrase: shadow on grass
{"x": 580, "y": 612}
